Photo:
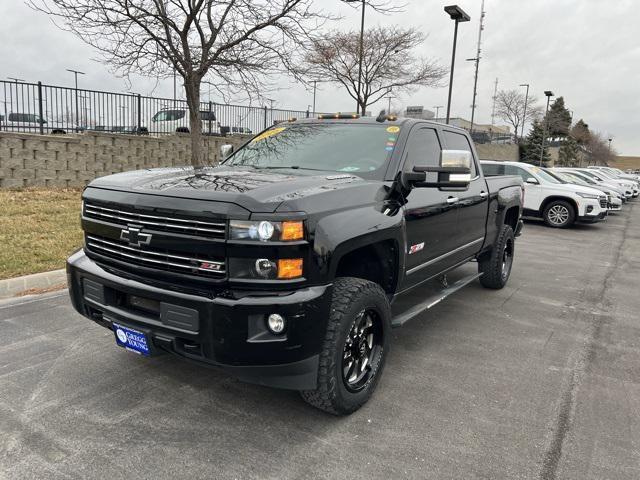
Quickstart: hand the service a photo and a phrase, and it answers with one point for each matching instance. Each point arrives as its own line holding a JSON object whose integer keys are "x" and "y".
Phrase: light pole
{"x": 360, "y": 53}
{"x": 457, "y": 15}
{"x": 437, "y": 107}
{"x": 548, "y": 94}
{"x": 610, "y": 145}
{"x": 315, "y": 85}
{"x": 524, "y": 114}
{"x": 75, "y": 73}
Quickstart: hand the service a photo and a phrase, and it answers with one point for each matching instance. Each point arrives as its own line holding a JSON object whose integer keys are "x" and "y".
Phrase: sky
{"x": 587, "y": 51}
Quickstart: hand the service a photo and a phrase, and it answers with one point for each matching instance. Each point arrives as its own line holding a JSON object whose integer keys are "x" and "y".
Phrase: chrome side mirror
{"x": 456, "y": 162}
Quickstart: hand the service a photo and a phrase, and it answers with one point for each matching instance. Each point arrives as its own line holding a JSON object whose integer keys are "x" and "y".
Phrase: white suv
{"x": 559, "y": 204}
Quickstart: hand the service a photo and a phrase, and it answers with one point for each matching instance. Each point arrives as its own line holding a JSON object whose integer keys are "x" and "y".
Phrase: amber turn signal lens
{"x": 290, "y": 268}
{"x": 292, "y": 231}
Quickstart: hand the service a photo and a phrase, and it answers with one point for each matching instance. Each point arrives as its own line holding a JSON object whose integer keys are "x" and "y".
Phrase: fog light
{"x": 266, "y": 268}
{"x": 589, "y": 209}
{"x": 276, "y": 323}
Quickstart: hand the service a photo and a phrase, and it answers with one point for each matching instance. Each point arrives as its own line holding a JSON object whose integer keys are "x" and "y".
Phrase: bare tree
{"x": 510, "y": 107}
{"x": 387, "y": 62}
{"x": 240, "y": 43}
{"x": 598, "y": 151}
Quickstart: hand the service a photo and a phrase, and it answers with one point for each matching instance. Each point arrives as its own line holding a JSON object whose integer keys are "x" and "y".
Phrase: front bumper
{"x": 593, "y": 218}
{"x": 224, "y": 331}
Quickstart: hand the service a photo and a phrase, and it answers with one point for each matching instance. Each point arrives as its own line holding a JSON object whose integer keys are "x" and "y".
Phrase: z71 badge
{"x": 416, "y": 248}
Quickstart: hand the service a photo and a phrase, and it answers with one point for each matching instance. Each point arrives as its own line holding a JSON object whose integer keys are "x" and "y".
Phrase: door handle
{"x": 452, "y": 200}
{"x": 484, "y": 194}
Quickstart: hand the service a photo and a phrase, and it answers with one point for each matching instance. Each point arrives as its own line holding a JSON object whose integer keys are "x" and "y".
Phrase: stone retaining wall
{"x": 28, "y": 160}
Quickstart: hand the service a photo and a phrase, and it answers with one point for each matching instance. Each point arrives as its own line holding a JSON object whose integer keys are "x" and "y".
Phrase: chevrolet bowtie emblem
{"x": 135, "y": 237}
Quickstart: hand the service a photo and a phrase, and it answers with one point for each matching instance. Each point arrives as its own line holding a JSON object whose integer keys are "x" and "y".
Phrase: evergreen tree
{"x": 568, "y": 154}
{"x": 532, "y": 146}
{"x": 559, "y": 119}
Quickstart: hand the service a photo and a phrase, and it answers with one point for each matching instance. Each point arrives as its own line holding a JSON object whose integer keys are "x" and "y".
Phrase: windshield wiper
{"x": 293, "y": 167}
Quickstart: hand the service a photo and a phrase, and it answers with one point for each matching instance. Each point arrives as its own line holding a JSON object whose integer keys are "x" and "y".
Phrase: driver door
{"x": 429, "y": 214}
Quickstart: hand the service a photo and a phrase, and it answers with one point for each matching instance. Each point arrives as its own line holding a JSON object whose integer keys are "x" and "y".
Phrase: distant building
{"x": 477, "y": 127}
{"x": 418, "y": 112}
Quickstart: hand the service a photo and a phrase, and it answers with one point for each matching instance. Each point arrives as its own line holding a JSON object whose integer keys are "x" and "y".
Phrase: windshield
{"x": 571, "y": 178}
{"x": 591, "y": 175}
{"x": 555, "y": 176}
{"x": 335, "y": 147}
{"x": 544, "y": 175}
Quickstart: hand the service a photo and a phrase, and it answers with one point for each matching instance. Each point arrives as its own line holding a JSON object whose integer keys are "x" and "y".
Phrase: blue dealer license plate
{"x": 131, "y": 339}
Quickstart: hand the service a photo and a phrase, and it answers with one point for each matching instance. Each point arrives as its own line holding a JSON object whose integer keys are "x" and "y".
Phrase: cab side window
{"x": 457, "y": 141}
{"x": 423, "y": 148}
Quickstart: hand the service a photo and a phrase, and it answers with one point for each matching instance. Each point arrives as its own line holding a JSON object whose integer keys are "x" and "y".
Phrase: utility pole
{"x": 477, "y": 61}
{"x": 437, "y": 107}
{"x": 495, "y": 96}
{"x": 524, "y": 114}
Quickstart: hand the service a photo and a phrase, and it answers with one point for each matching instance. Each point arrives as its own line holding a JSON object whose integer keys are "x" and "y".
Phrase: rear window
{"x": 169, "y": 115}
{"x": 492, "y": 169}
{"x": 206, "y": 116}
{"x": 23, "y": 117}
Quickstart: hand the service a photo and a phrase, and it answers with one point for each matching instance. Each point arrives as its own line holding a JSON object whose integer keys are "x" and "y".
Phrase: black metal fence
{"x": 50, "y": 109}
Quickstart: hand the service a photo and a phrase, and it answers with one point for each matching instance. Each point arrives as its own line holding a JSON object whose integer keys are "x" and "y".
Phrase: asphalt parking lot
{"x": 540, "y": 380}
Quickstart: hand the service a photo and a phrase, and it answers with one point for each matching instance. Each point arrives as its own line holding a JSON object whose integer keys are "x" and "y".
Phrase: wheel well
{"x": 564, "y": 199}
{"x": 511, "y": 217}
{"x": 377, "y": 263}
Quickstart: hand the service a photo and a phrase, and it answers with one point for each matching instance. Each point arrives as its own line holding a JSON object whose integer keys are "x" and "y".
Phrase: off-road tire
{"x": 492, "y": 265}
{"x": 350, "y": 297}
{"x": 564, "y": 206}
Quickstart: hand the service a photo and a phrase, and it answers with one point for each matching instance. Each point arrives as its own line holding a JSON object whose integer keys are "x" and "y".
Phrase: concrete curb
{"x": 12, "y": 287}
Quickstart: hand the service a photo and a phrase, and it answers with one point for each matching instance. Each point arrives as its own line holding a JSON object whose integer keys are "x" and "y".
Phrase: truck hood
{"x": 257, "y": 190}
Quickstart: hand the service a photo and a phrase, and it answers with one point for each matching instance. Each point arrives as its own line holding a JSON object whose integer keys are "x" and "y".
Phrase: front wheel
{"x": 354, "y": 349}
{"x": 496, "y": 266}
{"x": 559, "y": 214}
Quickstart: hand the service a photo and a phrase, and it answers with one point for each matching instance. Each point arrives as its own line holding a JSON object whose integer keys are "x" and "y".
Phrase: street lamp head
{"x": 456, "y": 13}
{"x": 548, "y": 93}
{"x": 525, "y": 85}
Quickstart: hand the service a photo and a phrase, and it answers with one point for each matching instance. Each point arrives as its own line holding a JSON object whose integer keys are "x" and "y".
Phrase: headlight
{"x": 265, "y": 269}
{"x": 265, "y": 231}
{"x": 588, "y": 195}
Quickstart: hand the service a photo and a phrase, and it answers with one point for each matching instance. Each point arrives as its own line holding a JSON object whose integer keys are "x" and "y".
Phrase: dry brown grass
{"x": 39, "y": 228}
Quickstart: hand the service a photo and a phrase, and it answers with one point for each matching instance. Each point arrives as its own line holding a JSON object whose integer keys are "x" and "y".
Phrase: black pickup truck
{"x": 288, "y": 264}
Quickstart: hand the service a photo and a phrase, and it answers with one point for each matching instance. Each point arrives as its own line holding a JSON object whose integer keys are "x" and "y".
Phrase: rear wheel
{"x": 559, "y": 214}
{"x": 496, "y": 266}
{"x": 355, "y": 347}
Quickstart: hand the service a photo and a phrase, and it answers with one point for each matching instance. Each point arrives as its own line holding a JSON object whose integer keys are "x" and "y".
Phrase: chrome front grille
{"x": 178, "y": 262}
{"x": 603, "y": 202}
{"x": 174, "y": 224}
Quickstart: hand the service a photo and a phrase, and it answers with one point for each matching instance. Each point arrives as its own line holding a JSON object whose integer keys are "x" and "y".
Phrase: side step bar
{"x": 433, "y": 300}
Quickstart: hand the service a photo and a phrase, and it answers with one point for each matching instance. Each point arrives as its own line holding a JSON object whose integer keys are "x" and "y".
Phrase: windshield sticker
{"x": 393, "y": 129}
{"x": 349, "y": 169}
{"x": 388, "y": 149}
{"x": 268, "y": 133}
